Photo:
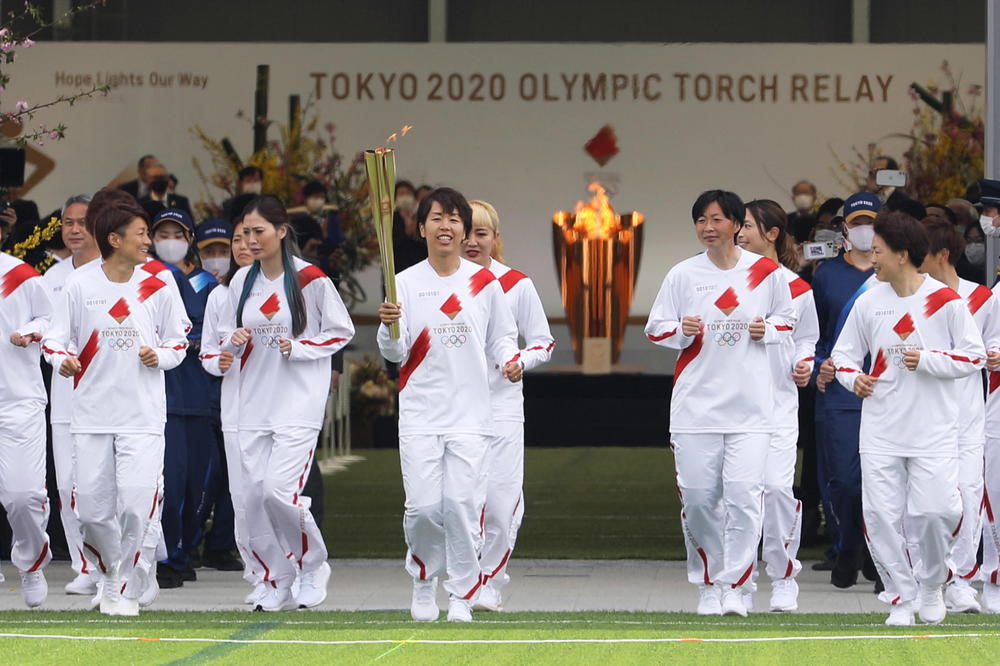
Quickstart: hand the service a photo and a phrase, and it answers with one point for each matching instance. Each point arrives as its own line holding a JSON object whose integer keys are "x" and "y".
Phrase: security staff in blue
{"x": 190, "y": 436}
{"x": 836, "y": 285}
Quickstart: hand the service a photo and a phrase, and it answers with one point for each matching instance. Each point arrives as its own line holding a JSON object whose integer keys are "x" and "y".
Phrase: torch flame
{"x": 395, "y": 135}
{"x": 596, "y": 218}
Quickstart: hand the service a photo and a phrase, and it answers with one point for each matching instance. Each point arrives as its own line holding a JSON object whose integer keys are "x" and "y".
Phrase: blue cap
{"x": 989, "y": 192}
{"x": 212, "y": 231}
{"x": 174, "y": 215}
{"x": 862, "y": 203}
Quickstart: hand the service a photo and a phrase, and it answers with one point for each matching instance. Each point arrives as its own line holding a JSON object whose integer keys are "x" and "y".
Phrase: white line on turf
{"x": 153, "y": 620}
{"x": 498, "y": 641}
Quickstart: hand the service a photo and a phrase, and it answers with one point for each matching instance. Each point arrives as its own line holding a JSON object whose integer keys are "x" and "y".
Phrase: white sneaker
{"x": 488, "y": 600}
{"x": 459, "y": 610}
{"x": 98, "y": 595}
{"x": 732, "y": 602}
{"x": 423, "y": 607}
{"x": 2, "y": 579}
{"x": 901, "y": 615}
{"x": 150, "y": 592}
{"x": 83, "y": 585}
{"x": 112, "y": 602}
{"x": 258, "y": 592}
{"x": 932, "y": 609}
{"x": 748, "y": 601}
{"x": 991, "y": 598}
{"x": 709, "y": 602}
{"x": 784, "y": 595}
{"x": 960, "y": 597}
{"x": 34, "y": 589}
{"x": 312, "y": 586}
{"x": 277, "y": 599}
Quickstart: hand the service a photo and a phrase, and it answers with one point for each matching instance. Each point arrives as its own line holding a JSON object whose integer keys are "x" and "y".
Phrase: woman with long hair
{"x": 118, "y": 327}
{"x": 219, "y": 362}
{"x": 284, "y": 320}
{"x": 765, "y": 232}
{"x": 504, "y": 468}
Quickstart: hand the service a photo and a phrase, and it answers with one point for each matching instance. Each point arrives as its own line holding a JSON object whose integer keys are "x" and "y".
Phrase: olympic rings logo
{"x": 269, "y": 341}
{"x": 897, "y": 360}
{"x": 453, "y": 341}
{"x": 120, "y": 344}
{"x": 727, "y": 338}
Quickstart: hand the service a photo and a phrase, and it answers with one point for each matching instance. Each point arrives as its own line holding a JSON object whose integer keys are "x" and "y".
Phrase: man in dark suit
{"x": 159, "y": 198}
{"x": 139, "y": 187}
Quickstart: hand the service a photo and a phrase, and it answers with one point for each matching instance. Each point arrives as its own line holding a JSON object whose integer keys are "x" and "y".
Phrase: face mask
{"x": 861, "y": 237}
{"x": 315, "y": 204}
{"x": 986, "y": 222}
{"x": 252, "y": 188}
{"x": 406, "y": 203}
{"x": 171, "y": 250}
{"x": 216, "y": 265}
{"x": 827, "y": 236}
{"x": 975, "y": 253}
{"x": 803, "y": 202}
{"x": 159, "y": 186}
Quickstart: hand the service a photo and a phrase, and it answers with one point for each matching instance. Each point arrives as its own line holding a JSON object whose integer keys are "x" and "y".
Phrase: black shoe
{"x": 222, "y": 560}
{"x": 845, "y": 570}
{"x": 879, "y": 586}
{"x": 868, "y": 568}
{"x": 823, "y": 565}
{"x": 167, "y": 577}
{"x": 188, "y": 574}
{"x": 194, "y": 558}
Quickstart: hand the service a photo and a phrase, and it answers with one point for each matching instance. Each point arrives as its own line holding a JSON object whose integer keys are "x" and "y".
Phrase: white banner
{"x": 506, "y": 123}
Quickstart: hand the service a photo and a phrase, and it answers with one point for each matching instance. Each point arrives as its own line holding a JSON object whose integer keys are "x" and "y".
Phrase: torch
{"x": 381, "y": 167}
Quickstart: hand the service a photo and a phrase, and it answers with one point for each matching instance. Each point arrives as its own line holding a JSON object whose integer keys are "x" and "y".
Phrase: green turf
{"x": 580, "y": 503}
{"x": 402, "y": 638}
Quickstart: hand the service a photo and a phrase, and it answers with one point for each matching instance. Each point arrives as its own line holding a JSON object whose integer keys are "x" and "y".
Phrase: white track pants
{"x": 970, "y": 485}
{"x": 22, "y": 482}
{"x": 504, "y": 510}
{"x": 782, "y": 512}
{"x": 991, "y": 504}
{"x": 923, "y": 492}
{"x": 441, "y": 478}
{"x": 234, "y": 466}
{"x": 720, "y": 479}
{"x": 62, "y": 457}
{"x": 118, "y": 491}
{"x": 282, "y": 535}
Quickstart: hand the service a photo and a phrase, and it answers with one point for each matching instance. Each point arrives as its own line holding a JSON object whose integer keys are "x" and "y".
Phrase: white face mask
{"x": 986, "y": 222}
{"x": 803, "y": 202}
{"x": 315, "y": 204}
{"x": 406, "y": 203}
{"x": 171, "y": 250}
{"x": 252, "y": 188}
{"x": 216, "y": 265}
{"x": 861, "y": 237}
{"x": 975, "y": 253}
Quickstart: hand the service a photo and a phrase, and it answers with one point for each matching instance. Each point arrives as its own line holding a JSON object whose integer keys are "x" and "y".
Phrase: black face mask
{"x": 158, "y": 186}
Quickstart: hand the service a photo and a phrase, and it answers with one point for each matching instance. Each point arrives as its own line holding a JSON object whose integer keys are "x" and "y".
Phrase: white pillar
{"x": 437, "y": 21}
{"x": 861, "y": 21}
{"x": 992, "y": 117}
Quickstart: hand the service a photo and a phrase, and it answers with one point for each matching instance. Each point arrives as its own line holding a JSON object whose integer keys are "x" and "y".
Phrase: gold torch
{"x": 381, "y": 166}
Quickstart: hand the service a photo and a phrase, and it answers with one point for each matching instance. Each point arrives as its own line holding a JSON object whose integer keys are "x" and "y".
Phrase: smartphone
{"x": 812, "y": 251}
{"x": 890, "y": 178}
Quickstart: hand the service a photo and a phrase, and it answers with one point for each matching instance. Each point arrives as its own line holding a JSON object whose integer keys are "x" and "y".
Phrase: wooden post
{"x": 294, "y": 122}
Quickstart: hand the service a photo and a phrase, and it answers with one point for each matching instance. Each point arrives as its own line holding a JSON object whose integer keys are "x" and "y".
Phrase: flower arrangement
{"x": 302, "y": 155}
{"x": 31, "y": 249}
{"x": 947, "y": 143}
{"x": 373, "y": 393}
